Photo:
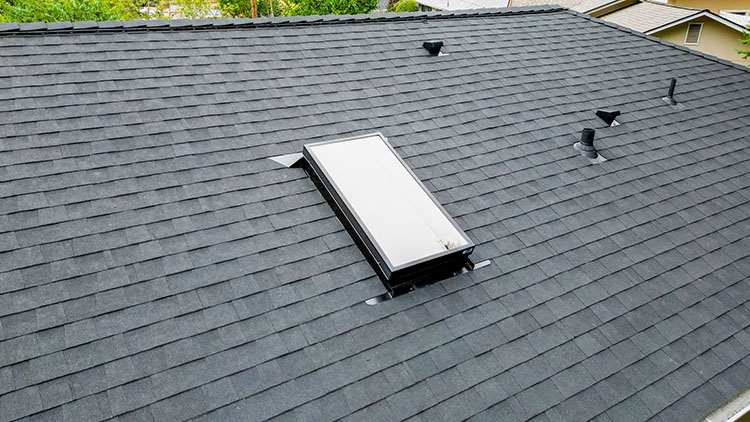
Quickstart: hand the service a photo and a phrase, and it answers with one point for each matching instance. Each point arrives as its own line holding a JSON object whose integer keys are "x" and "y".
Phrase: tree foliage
{"x": 406, "y": 6}
{"x": 328, "y": 7}
{"x": 185, "y": 9}
{"x": 243, "y": 8}
{"x": 745, "y": 41}
{"x": 102, "y": 10}
{"x": 62, "y": 10}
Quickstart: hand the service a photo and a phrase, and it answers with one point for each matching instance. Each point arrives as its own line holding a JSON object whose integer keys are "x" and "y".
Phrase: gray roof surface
{"x": 156, "y": 266}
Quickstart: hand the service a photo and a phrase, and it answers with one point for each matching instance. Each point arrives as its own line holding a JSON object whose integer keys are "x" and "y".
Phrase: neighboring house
{"x": 737, "y": 11}
{"x": 714, "y": 28}
{"x": 742, "y": 19}
{"x": 157, "y": 264}
{"x": 448, "y": 5}
{"x": 598, "y": 8}
{"x": 716, "y": 6}
{"x": 699, "y": 29}
{"x": 590, "y": 7}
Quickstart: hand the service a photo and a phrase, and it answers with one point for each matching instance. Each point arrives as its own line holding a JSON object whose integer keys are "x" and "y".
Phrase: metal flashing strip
{"x": 288, "y": 160}
{"x": 598, "y": 160}
{"x": 390, "y": 295}
{"x": 672, "y": 103}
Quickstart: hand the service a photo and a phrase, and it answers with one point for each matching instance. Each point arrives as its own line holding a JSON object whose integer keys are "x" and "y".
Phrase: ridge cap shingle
{"x": 198, "y": 24}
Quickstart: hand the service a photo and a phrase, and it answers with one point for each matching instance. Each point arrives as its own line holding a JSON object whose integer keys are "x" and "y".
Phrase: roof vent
{"x": 608, "y": 117}
{"x": 586, "y": 146}
{"x": 434, "y": 47}
{"x": 669, "y": 99}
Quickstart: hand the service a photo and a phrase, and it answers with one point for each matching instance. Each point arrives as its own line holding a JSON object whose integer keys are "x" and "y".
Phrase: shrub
{"x": 745, "y": 41}
{"x": 328, "y": 7}
{"x": 406, "y": 6}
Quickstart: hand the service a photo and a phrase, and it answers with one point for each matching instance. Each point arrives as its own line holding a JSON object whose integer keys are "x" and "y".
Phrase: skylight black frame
{"x": 433, "y": 267}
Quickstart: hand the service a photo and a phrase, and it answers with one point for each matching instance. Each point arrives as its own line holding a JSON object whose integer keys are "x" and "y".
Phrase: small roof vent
{"x": 402, "y": 229}
{"x": 586, "y": 146}
{"x": 434, "y": 47}
{"x": 608, "y": 117}
{"x": 669, "y": 99}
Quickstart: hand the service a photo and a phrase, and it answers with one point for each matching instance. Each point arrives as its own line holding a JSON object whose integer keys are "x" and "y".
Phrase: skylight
{"x": 404, "y": 229}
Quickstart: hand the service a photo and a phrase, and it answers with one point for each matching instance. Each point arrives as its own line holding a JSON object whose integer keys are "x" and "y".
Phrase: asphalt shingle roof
{"x": 156, "y": 266}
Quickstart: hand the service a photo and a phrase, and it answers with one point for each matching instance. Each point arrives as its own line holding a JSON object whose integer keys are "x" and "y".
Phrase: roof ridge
{"x": 234, "y": 23}
{"x": 660, "y": 41}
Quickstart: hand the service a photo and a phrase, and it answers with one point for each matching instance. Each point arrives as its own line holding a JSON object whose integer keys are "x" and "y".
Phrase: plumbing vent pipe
{"x": 433, "y": 47}
{"x": 609, "y": 117}
{"x": 669, "y": 99}
{"x": 586, "y": 146}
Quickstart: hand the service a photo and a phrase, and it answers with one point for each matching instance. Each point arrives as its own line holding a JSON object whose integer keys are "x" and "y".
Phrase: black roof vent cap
{"x": 434, "y": 47}
{"x": 586, "y": 146}
{"x": 609, "y": 117}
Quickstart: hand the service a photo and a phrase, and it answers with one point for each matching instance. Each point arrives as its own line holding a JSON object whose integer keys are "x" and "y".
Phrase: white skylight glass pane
{"x": 391, "y": 204}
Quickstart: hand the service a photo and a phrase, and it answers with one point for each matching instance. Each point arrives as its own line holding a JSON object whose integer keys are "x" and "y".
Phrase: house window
{"x": 693, "y": 34}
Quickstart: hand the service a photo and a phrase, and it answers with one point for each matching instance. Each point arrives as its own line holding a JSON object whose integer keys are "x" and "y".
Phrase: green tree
{"x": 328, "y": 7}
{"x": 243, "y": 9}
{"x": 186, "y": 9}
{"x": 745, "y": 41}
{"x": 406, "y": 6}
{"x": 62, "y": 10}
{"x": 102, "y": 10}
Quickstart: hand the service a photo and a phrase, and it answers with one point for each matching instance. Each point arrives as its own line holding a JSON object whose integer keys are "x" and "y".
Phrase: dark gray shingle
{"x": 154, "y": 265}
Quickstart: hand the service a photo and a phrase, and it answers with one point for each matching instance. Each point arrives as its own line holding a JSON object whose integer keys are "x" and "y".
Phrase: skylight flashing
{"x": 288, "y": 160}
{"x": 390, "y": 295}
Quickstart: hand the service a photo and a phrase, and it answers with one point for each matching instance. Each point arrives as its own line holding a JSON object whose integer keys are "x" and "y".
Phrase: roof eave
{"x": 610, "y": 7}
{"x": 702, "y": 13}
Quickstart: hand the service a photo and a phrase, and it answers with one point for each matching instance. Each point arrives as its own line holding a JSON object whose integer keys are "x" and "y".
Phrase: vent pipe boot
{"x": 586, "y": 146}
{"x": 669, "y": 99}
{"x": 609, "y": 117}
{"x": 433, "y": 47}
